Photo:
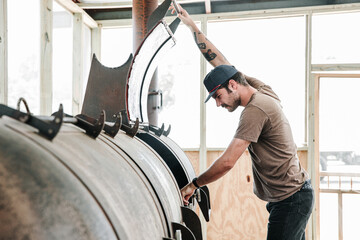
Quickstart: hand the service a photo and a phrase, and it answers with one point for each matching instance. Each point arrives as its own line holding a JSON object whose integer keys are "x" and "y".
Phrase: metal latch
{"x": 157, "y": 103}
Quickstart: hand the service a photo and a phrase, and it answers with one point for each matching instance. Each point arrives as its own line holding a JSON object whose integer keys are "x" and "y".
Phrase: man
{"x": 279, "y": 178}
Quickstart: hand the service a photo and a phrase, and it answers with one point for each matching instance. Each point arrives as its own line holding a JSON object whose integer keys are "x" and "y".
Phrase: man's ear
{"x": 232, "y": 84}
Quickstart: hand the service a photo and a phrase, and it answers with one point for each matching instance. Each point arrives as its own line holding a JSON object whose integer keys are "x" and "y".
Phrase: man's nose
{"x": 218, "y": 104}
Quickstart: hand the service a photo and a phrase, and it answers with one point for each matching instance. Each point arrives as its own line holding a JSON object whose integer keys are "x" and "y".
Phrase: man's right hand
{"x": 187, "y": 192}
{"x": 183, "y": 15}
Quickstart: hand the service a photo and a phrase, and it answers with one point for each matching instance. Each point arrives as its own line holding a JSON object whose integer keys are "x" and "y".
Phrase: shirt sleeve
{"x": 252, "y": 121}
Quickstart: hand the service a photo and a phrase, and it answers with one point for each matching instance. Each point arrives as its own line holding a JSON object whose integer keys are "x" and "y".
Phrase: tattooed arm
{"x": 210, "y": 52}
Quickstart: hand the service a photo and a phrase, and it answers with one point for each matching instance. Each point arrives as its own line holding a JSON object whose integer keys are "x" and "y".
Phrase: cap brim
{"x": 211, "y": 94}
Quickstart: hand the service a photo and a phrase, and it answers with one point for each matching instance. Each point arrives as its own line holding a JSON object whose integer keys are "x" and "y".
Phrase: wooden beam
{"x": 207, "y": 6}
{"x": 122, "y": 4}
{"x": 78, "y": 51}
{"x": 108, "y": 5}
{"x": 96, "y": 42}
{"x": 335, "y": 67}
{"x": 3, "y": 52}
{"x": 203, "y": 147}
{"x": 46, "y": 50}
{"x": 311, "y": 233}
{"x": 72, "y": 7}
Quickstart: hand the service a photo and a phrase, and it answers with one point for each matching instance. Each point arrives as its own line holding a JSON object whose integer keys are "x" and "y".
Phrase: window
{"x": 272, "y": 50}
{"x": 339, "y": 151}
{"x": 62, "y": 58}
{"x": 116, "y": 46}
{"x": 179, "y": 80}
{"x": 24, "y": 53}
{"x": 334, "y": 43}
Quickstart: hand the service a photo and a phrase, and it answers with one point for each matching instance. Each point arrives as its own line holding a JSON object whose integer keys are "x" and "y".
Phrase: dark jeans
{"x": 288, "y": 218}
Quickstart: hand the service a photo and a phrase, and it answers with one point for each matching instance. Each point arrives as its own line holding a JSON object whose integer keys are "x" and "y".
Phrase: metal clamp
{"x": 47, "y": 129}
{"x": 92, "y": 127}
{"x": 192, "y": 221}
{"x": 186, "y": 233}
{"x": 114, "y": 129}
{"x": 131, "y": 131}
{"x": 158, "y": 131}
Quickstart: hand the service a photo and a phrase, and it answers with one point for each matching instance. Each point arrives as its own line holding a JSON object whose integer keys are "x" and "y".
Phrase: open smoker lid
{"x": 155, "y": 45}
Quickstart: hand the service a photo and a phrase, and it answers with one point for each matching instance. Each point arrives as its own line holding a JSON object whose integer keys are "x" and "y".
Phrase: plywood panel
{"x": 237, "y": 213}
{"x": 302, "y": 154}
{"x": 194, "y": 159}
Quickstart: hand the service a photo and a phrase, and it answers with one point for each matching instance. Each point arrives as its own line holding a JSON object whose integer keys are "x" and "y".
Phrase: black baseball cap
{"x": 218, "y": 76}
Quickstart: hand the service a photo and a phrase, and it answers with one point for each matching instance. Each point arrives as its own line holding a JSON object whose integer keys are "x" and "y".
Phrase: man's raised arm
{"x": 210, "y": 52}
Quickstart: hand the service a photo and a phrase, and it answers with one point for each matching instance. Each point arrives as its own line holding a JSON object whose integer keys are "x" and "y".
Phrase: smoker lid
{"x": 155, "y": 45}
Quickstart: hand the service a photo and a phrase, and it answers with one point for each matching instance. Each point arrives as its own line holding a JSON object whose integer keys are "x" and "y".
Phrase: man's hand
{"x": 187, "y": 192}
{"x": 183, "y": 15}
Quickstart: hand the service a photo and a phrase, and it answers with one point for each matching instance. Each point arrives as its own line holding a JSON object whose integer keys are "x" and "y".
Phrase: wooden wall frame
{"x": 3, "y": 52}
{"x": 313, "y": 151}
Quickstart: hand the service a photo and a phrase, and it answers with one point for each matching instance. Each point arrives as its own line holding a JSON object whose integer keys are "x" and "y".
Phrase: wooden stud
{"x": 78, "y": 51}
{"x": 3, "y": 53}
{"x": 46, "y": 51}
{"x": 207, "y": 6}
{"x": 96, "y": 42}
{"x": 203, "y": 147}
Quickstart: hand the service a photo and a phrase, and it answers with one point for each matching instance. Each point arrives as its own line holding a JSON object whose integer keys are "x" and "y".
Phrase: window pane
{"x": 329, "y": 216}
{"x": 62, "y": 58}
{"x": 339, "y": 134}
{"x": 272, "y": 50}
{"x": 332, "y": 42}
{"x": 24, "y": 53}
{"x": 116, "y": 46}
{"x": 351, "y": 211}
{"x": 179, "y": 80}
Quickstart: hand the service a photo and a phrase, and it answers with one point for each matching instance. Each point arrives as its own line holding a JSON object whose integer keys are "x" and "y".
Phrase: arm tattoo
{"x": 200, "y": 45}
{"x": 209, "y": 55}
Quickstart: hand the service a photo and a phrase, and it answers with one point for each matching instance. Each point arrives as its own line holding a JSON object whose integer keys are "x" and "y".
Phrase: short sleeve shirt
{"x": 276, "y": 167}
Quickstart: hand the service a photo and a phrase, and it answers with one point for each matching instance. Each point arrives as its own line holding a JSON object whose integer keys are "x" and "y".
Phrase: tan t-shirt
{"x": 276, "y": 168}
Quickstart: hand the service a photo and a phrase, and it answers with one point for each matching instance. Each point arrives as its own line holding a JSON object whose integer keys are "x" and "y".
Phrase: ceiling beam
{"x": 74, "y": 8}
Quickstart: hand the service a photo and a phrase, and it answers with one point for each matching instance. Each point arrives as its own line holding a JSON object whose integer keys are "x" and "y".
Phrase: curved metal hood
{"x": 155, "y": 45}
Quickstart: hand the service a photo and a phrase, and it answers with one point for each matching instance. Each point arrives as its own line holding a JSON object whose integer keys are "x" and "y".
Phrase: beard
{"x": 233, "y": 106}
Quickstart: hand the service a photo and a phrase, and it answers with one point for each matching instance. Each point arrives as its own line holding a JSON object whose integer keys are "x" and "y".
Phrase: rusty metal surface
{"x": 105, "y": 90}
{"x": 40, "y": 198}
{"x": 112, "y": 179}
{"x": 141, "y": 11}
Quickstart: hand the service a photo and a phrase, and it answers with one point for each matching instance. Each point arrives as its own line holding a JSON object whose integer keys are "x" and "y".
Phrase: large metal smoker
{"x": 103, "y": 174}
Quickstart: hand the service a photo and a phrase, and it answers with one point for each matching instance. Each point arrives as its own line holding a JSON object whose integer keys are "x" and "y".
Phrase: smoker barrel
{"x": 77, "y": 187}
{"x": 65, "y": 177}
